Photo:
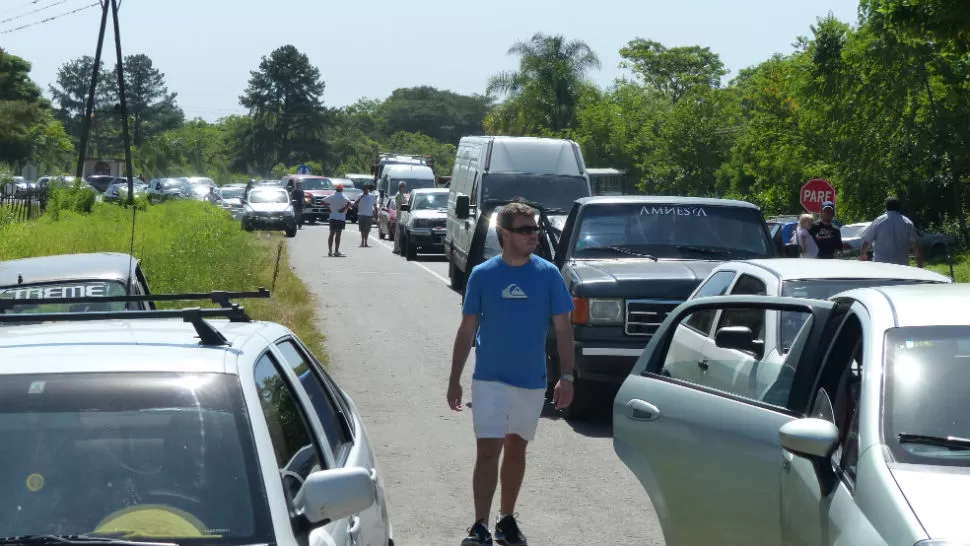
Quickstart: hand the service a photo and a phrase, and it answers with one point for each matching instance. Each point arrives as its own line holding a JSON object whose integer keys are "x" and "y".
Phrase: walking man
{"x": 338, "y": 218}
{"x": 366, "y": 210}
{"x": 297, "y": 197}
{"x": 827, "y": 237}
{"x": 400, "y": 198}
{"x": 891, "y": 236}
{"x": 509, "y": 301}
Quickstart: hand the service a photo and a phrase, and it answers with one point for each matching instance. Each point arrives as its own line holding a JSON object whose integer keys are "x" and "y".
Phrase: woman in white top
{"x": 804, "y": 239}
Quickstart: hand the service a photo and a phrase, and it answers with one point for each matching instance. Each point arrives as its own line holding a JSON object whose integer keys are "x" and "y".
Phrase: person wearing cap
{"x": 338, "y": 218}
{"x": 828, "y": 238}
{"x": 891, "y": 236}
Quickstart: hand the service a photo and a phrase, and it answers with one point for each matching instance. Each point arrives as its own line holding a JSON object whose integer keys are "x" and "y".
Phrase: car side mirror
{"x": 816, "y": 440}
{"x": 792, "y": 250}
{"x": 330, "y": 495}
{"x": 404, "y": 207}
{"x": 740, "y": 338}
{"x": 462, "y": 206}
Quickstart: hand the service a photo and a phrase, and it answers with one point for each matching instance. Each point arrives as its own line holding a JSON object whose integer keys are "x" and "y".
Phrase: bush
{"x": 185, "y": 246}
{"x": 74, "y": 198}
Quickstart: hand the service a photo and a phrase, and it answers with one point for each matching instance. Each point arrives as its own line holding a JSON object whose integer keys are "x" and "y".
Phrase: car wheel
{"x": 247, "y": 226}
{"x": 291, "y": 232}
{"x": 410, "y": 251}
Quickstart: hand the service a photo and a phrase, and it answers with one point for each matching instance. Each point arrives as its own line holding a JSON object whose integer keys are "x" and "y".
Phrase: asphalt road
{"x": 390, "y": 326}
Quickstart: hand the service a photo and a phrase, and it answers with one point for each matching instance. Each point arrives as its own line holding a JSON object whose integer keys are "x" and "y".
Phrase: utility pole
{"x": 89, "y": 110}
{"x": 124, "y": 104}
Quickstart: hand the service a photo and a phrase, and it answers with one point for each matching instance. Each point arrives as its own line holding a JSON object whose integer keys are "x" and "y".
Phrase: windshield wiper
{"x": 712, "y": 250}
{"x": 952, "y": 442}
{"x": 85, "y": 540}
{"x": 623, "y": 250}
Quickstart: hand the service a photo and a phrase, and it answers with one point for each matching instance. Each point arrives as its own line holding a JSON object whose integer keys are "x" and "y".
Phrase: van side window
{"x": 474, "y": 194}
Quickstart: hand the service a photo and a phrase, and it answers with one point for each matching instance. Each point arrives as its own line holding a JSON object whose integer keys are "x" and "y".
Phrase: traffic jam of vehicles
{"x": 776, "y": 400}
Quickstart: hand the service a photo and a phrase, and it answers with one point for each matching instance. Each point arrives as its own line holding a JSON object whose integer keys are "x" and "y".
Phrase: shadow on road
{"x": 597, "y": 424}
{"x": 441, "y": 258}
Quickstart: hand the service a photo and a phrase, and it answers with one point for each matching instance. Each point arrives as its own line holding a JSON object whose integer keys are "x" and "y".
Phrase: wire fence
{"x": 18, "y": 204}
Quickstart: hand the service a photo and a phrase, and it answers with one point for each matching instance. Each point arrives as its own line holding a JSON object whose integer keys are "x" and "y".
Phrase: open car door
{"x": 710, "y": 459}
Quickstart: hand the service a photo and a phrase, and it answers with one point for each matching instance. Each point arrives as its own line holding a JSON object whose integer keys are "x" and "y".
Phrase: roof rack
{"x": 208, "y": 335}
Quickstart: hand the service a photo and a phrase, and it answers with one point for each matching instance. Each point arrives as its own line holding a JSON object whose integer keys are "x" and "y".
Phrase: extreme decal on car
{"x": 676, "y": 211}
{"x": 90, "y": 290}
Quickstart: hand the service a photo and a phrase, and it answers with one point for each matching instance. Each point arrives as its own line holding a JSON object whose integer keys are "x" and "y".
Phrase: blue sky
{"x": 368, "y": 48}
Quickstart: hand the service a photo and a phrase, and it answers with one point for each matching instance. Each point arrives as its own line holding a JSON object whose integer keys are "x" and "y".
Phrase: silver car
{"x": 864, "y": 438}
{"x": 269, "y": 208}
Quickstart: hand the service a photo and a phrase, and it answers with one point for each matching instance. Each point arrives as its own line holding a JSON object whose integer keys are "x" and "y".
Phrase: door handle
{"x": 642, "y": 411}
{"x": 703, "y": 364}
{"x": 354, "y": 530}
{"x": 373, "y": 475}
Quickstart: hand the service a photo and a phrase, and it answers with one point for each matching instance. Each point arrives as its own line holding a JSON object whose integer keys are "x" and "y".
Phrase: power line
{"x": 6, "y": 11}
{"x": 49, "y": 6}
{"x": 52, "y": 18}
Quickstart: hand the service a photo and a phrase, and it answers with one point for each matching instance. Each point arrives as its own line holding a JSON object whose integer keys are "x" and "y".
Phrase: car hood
{"x": 319, "y": 193}
{"x": 939, "y": 496}
{"x": 637, "y": 277}
{"x": 269, "y": 207}
{"x": 429, "y": 214}
{"x": 234, "y": 201}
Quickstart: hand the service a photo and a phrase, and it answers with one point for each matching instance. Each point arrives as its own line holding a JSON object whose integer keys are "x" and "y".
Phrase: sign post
{"x": 814, "y": 193}
{"x": 304, "y": 169}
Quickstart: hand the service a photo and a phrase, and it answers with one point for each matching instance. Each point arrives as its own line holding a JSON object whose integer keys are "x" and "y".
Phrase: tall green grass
{"x": 184, "y": 246}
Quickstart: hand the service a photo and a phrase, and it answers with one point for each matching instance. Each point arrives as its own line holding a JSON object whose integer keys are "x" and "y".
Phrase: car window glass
{"x": 716, "y": 285}
{"x": 296, "y": 453}
{"x": 752, "y": 318}
{"x": 330, "y": 414}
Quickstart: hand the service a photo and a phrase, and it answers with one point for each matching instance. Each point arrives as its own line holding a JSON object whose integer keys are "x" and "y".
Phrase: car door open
{"x": 711, "y": 459}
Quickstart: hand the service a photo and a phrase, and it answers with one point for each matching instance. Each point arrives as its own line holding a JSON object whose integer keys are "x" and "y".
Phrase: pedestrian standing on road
{"x": 509, "y": 301}
{"x": 891, "y": 237}
{"x": 338, "y": 218}
{"x": 804, "y": 239}
{"x": 400, "y": 198}
{"x": 297, "y": 196}
{"x": 827, "y": 237}
{"x": 366, "y": 210}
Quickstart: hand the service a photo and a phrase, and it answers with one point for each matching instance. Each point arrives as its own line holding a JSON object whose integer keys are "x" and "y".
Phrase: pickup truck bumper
{"x": 607, "y": 362}
{"x": 427, "y": 239}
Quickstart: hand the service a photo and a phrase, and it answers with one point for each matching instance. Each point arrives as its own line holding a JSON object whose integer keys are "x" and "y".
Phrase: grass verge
{"x": 961, "y": 267}
{"x": 184, "y": 246}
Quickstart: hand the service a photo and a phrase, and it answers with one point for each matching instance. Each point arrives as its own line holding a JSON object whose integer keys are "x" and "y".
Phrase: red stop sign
{"x": 814, "y": 193}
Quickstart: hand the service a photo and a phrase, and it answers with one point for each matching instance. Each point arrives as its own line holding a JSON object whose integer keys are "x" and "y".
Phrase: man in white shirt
{"x": 891, "y": 236}
{"x": 366, "y": 210}
{"x": 338, "y": 218}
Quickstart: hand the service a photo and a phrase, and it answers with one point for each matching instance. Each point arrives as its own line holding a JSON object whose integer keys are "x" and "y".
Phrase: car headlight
{"x": 597, "y": 311}
{"x": 419, "y": 223}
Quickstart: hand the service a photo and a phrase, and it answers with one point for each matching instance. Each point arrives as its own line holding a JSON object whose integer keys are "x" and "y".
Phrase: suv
{"x": 168, "y": 426}
{"x": 315, "y": 190}
{"x": 628, "y": 261}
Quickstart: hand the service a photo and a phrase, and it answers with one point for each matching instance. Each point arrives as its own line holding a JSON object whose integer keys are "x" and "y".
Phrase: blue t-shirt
{"x": 515, "y": 305}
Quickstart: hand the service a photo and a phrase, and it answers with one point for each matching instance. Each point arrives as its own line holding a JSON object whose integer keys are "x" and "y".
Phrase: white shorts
{"x": 500, "y": 409}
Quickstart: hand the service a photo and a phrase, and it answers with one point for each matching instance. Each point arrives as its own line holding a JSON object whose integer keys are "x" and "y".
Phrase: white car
{"x": 695, "y": 355}
{"x": 164, "y": 426}
{"x": 865, "y": 443}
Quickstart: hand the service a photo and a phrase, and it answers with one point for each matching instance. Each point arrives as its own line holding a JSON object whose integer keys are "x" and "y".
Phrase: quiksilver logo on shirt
{"x": 513, "y": 292}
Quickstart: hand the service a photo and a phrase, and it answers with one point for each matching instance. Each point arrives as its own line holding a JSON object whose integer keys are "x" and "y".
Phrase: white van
{"x": 548, "y": 171}
{"x": 414, "y": 176}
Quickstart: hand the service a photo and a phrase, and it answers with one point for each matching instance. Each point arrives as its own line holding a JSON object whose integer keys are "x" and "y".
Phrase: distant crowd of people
{"x": 890, "y": 236}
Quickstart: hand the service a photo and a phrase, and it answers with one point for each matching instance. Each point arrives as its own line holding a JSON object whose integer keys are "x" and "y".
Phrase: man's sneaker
{"x": 507, "y": 532}
{"x": 478, "y": 535}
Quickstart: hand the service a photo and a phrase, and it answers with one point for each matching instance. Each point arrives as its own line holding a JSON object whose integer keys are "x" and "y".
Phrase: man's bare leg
{"x": 513, "y": 471}
{"x": 485, "y": 477}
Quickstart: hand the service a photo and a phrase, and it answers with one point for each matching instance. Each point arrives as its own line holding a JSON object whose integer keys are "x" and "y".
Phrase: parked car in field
{"x": 69, "y": 276}
{"x": 180, "y": 427}
{"x": 163, "y": 189}
{"x": 862, "y": 441}
{"x": 269, "y": 208}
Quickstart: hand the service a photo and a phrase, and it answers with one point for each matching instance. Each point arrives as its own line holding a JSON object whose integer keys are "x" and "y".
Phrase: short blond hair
{"x": 806, "y": 218}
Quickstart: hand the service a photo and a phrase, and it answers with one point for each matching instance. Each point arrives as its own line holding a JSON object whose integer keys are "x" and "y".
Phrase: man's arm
{"x": 463, "y": 346}
{"x": 564, "y": 342}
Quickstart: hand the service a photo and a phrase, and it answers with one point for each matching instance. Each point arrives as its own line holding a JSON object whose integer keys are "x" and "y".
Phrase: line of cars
{"x": 177, "y": 426}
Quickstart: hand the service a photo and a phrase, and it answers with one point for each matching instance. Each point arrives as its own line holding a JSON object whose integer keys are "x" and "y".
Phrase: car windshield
{"x": 268, "y": 196}
{"x": 672, "y": 231}
{"x": 550, "y": 191}
{"x": 317, "y": 184}
{"x": 200, "y": 189}
{"x": 172, "y": 184}
{"x": 69, "y": 289}
{"x": 232, "y": 192}
{"x": 159, "y": 456}
{"x": 436, "y": 201}
{"x": 410, "y": 184}
{"x": 821, "y": 289}
{"x": 925, "y": 363}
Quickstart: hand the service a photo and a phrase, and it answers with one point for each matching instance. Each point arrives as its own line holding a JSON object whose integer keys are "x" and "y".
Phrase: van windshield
{"x": 549, "y": 190}
{"x": 410, "y": 183}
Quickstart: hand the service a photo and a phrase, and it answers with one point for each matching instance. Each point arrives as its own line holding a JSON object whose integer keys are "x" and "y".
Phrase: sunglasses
{"x": 524, "y": 230}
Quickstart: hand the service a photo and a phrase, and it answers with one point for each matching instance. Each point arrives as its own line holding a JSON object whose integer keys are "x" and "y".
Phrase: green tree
{"x": 544, "y": 92}
{"x": 151, "y": 107}
{"x": 70, "y": 93}
{"x": 442, "y": 115}
{"x": 673, "y": 71}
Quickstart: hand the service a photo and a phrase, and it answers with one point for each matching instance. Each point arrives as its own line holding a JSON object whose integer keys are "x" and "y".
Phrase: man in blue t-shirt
{"x": 509, "y": 301}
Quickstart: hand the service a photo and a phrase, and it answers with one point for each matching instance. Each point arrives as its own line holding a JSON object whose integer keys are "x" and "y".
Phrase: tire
{"x": 410, "y": 251}
{"x": 456, "y": 278}
{"x": 247, "y": 226}
{"x": 291, "y": 232}
{"x": 311, "y": 220}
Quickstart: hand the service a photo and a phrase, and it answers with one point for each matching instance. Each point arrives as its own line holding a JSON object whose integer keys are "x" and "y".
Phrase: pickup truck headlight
{"x": 420, "y": 223}
{"x": 597, "y": 311}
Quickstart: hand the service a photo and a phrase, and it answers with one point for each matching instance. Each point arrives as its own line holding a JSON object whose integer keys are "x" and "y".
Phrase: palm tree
{"x": 550, "y": 79}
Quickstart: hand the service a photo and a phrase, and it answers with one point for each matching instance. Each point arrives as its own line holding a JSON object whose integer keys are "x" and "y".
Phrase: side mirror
{"x": 404, "y": 207}
{"x": 810, "y": 437}
{"x": 740, "y": 338}
{"x": 462, "y": 206}
{"x": 330, "y": 495}
{"x": 792, "y": 250}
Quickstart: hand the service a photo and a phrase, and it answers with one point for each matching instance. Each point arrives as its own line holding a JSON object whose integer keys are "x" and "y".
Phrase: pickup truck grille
{"x": 643, "y": 317}
{"x": 318, "y": 201}
{"x": 438, "y": 223}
